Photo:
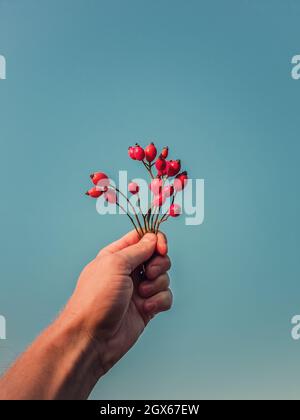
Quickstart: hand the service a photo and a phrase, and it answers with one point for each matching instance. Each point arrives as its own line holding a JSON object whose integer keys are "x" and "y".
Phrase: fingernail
{"x": 149, "y": 237}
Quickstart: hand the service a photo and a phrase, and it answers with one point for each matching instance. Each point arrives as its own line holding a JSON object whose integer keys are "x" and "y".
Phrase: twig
{"x": 148, "y": 167}
{"x": 132, "y": 221}
{"x": 128, "y": 201}
{"x": 140, "y": 209}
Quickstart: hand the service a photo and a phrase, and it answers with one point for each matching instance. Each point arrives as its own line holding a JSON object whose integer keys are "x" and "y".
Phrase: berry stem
{"x": 128, "y": 201}
{"x": 140, "y": 209}
{"x": 131, "y": 219}
{"x": 153, "y": 214}
{"x": 156, "y": 220}
{"x": 162, "y": 220}
{"x": 148, "y": 167}
{"x": 166, "y": 216}
{"x": 148, "y": 216}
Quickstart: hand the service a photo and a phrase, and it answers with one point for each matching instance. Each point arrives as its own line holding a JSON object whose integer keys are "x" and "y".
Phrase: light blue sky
{"x": 211, "y": 79}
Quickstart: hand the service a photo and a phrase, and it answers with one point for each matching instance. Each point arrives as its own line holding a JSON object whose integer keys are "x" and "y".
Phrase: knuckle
{"x": 159, "y": 265}
{"x": 168, "y": 280}
{"x": 168, "y": 262}
{"x": 163, "y": 281}
{"x": 169, "y": 300}
{"x": 116, "y": 261}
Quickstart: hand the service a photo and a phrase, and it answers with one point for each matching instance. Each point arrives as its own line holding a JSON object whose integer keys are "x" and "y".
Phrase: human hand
{"x": 111, "y": 301}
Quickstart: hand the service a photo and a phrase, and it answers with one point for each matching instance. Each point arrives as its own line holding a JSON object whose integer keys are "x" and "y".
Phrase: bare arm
{"x": 62, "y": 363}
{"x": 103, "y": 319}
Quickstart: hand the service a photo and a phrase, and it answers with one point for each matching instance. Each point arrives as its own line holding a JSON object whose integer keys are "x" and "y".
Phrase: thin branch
{"x": 164, "y": 219}
{"x": 129, "y": 202}
{"x": 132, "y": 221}
{"x": 148, "y": 167}
{"x": 156, "y": 220}
{"x": 140, "y": 209}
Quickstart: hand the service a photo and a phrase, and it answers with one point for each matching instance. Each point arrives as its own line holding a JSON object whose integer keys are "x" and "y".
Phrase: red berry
{"x": 139, "y": 152}
{"x": 131, "y": 152}
{"x": 174, "y": 210}
{"x": 100, "y": 179}
{"x": 160, "y": 164}
{"x": 150, "y": 152}
{"x": 94, "y": 192}
{"x": 181, "y": 181}
{"x": 156, "y": 186}
{"x": 165, "y": 171}
{"x": 174, "y": 167}
{"x": 165, "y": 152}
{"x": 133, "y": 188}
{"x": 159, "y": 200}
{"x": 168, "y": 190}
{"x": 111, "y": 196}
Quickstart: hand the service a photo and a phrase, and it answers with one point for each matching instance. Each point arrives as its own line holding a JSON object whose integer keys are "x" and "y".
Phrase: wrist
{"x": 77, "y": 331}
{"x": 81, "y": 361}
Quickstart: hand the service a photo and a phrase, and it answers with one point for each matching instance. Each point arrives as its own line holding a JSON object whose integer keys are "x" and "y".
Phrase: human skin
{"x": 108, "y": 311}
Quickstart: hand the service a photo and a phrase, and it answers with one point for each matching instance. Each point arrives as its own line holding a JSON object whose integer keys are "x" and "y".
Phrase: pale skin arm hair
{"x": 103, "y": 319}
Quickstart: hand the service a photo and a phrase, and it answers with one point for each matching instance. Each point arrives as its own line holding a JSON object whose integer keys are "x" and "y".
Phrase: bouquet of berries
{"x": 166, "y": 181}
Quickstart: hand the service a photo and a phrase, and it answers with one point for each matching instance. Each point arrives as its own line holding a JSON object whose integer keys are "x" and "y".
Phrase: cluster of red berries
{"x": 165, "y": 170}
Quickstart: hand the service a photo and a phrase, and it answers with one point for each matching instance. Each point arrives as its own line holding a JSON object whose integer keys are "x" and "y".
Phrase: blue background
{"x": 212, "y": 80}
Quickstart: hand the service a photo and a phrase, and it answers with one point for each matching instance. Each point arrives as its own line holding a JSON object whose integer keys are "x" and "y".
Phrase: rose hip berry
{"x": 168, "y": 190}
{"x": 94, "y": 192}
{"x": 100, "y": 179}
{"x": 133, "y": 188}
{"x": 181, "y": 181}
{"x": 156, "y": 186}
{"x": 159, "y": 200}
{"x": 131, "y": 153}
{"x": 111, "y": 196}
{"x": 174, "y": 167}
{"x": 139, "y": 152}
{"x": 160, "y": 164}
{"x": 150, "y": 152}
{"x": 165, "y": 152}
{"x": 174, "y": 210}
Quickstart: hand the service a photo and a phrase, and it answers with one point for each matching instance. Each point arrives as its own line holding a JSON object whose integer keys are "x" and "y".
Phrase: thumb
{"x": 140, "y": 252}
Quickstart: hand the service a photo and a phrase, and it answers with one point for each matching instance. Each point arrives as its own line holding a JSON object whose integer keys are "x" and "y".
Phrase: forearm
{"x": 63, "y": 363}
